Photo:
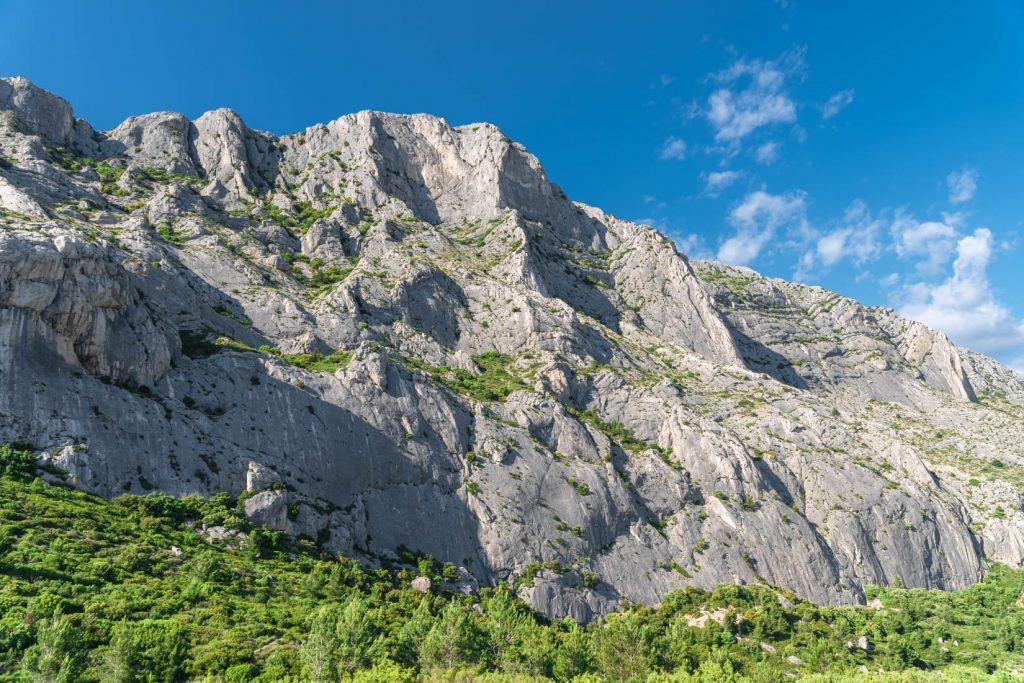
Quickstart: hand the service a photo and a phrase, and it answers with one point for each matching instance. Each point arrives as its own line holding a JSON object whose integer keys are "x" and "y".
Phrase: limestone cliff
{"x": 396, "y": 332}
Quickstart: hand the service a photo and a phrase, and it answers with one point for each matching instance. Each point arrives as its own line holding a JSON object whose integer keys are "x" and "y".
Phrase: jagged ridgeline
{"x": 389, "y": 333}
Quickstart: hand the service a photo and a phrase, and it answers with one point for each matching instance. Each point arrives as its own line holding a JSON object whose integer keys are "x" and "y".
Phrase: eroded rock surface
{"x": 388, "y": 331}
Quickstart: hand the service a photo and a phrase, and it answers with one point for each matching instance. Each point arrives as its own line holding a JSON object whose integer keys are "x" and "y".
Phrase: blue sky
{"x": 875, "y": 148}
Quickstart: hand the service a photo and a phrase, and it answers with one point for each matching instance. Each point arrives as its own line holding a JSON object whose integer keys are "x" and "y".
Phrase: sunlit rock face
{"x": 391, "y": 332}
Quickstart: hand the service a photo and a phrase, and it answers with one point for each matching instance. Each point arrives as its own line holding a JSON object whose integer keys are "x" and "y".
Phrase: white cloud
{"x": 753, "y": 96}
{"x": 693, "y": 246}
{"x": 717, "y": 181}
{"x": 890, "y": 280}
{"x": 931, "y": 241}
{"x": 674, "y": 148}
{"x": 756, "y": 220}
{"x": 962, "y": 186}
{"x": 855, "y": 239}
{"x": 838, "y": 102}
{"x": 1017, "y": 365}
{"x": 767, "y": 153}
{"x": 964, "y": 306}
{"x": 652, "y": 201}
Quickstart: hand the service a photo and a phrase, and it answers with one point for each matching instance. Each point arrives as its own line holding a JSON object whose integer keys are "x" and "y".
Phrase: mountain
{"x": 389, "y": 334}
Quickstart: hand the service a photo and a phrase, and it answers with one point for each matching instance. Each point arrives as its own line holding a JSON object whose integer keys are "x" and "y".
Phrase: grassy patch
{"x": 159, "y": 175}
{"x": 311, "y": 362}
{"x": 494, "y": 381}
{"x": 168, "y": 233}
{"x": 624, "y": 437}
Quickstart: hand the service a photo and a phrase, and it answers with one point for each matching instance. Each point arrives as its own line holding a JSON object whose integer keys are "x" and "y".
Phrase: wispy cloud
{"x": 931, "y": 243}
{"x": 756, "y": 220}
{"x": 753, "y": 95}
{"x": 673, "y": 149}
{"x": 838, "y": 102}
{"x": 964, "y": 305}
{"x": 962, "y": 185}
{"x": 717, "y": 181}
{"x": 693, "y": 246}
{"x": 856, "y": 239}
{"x": 767, "y": 153}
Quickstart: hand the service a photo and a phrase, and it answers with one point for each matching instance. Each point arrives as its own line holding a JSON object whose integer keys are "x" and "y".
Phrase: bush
{"x": 16, "y": 461}
{"x": 90, "y": 591}
{"x": 150, "y": 651}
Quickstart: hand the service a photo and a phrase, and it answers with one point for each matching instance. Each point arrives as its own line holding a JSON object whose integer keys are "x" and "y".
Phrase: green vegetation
{"x": 129, "y": 590}
{"x": 68, "y": 160}
{"x": 495, "y": 381}
{"x": 159, "y": 175}
{"x": 312, "y": 362}
{"x": 109, "y": 175}
{"x": 197, "y": 345}
{"x": 623, "y": 436}
{"x": 738, "y": 285}
{"x": 580, "y": 486}
{"x": 167, "y": 232}
{"x": 323, "y": 278}
{"x": 315, "y": 362}
{"x": 107, "y": 596}
{"x": 301, "y": 216}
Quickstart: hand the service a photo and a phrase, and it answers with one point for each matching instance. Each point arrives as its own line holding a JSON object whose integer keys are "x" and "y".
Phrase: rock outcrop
{"x": 387, "y": 331}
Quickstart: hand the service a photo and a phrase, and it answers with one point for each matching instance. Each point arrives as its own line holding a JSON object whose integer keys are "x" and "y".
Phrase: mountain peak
{"x": 386, "y": 332}
{"x": 40, "y": 111}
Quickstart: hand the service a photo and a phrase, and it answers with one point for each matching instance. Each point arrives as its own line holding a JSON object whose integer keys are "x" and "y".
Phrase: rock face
{"x": 389, "y": 332}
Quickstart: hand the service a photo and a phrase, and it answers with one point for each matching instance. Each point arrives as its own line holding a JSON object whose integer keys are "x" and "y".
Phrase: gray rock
{"x": 38, "y": 111}
{"x": 421, "y": 584}
{"x": 269, "y": 508}
{"x": 662, "y": 423}
{"x": 259, "y": 477}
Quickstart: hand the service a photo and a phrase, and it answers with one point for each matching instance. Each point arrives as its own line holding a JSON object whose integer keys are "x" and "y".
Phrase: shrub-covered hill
{"x": 134, "y": 589}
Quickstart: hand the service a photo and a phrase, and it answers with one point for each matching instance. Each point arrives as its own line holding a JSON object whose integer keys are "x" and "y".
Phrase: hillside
{"x": 135, "y": 588}
{"x": 387, "y": 332}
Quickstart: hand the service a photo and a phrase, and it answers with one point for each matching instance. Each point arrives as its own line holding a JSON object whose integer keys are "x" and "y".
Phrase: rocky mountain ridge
{"x": 386, "y": 331}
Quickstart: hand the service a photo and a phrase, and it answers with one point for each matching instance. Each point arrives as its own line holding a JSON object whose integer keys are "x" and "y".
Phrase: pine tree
{"x": 318, "y": 649}
{"x": 58, "y": 655}
{"x": 452, "y": 642}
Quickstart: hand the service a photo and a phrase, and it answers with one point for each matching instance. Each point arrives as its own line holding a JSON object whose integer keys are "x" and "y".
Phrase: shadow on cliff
{"x": 759, "y": 358}
{"x": 217, "y": 409}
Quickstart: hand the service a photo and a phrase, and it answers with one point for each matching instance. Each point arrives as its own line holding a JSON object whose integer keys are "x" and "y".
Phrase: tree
{"x": 318, "y": 648}
{"x": 385, "y": 671}
{"x": 58, "y": 655}
{"x": 512, "y": 634}
{"x": 574, "y": 654}
{"x": 342, "y": 639}
{"x": 625, "y": 647}
{"x": 359, "y": 641}
{"x": 150, "y": 651}
{"x": 414, "y": 631}
{"x": 16, "y": 462}
{"x": 6, "y": 542}
{"x": 453, "y": 641}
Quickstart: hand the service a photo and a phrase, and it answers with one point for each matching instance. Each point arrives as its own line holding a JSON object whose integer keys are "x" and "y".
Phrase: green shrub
{"x": 90, "y": 590}
{"x": 149, "y": 651}
{"x": 15, "y": 461}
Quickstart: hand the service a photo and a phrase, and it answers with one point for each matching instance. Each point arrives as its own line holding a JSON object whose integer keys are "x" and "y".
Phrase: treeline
{"x": 131, "y": 590}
